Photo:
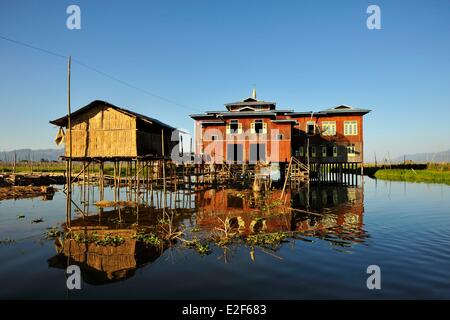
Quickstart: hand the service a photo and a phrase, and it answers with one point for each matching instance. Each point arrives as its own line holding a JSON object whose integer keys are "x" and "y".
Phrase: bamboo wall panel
{"x": 103, "y": 132}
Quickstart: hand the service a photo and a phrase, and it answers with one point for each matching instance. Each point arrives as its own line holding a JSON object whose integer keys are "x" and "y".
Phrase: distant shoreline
{"x": 429, "y": 173}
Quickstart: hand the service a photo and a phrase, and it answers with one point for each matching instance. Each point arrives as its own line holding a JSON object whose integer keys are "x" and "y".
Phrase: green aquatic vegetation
{"x": 149, "y": 239}
{"x": 85, "y": 238}
{"x": 52, "y": 233}
{"x": 428, "y": 175}
{"x": 201, "y": 247}
{"x": 266, "y": 239}
{"x": 258, "y": 224}
{"x": 7, "y": 241}
{"x": 195, "y": 229}
{"x": 110, "y": 240}
{"x": 20, "y": 216}
{"x": 273, "y": 204}
{"x": 38, "y": 220}
{"x": 222, "y": 242}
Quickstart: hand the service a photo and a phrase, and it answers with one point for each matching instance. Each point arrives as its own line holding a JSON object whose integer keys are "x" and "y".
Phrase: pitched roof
{"x": 62, "y": 122}
{"x": 341, "y": 109}
{"x": 344, "y": 109}
{"x": 249, "y": 102}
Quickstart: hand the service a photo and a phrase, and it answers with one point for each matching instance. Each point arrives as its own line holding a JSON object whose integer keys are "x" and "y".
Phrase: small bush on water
{"x": 38, "y": 220}
{"x": 85, "y": 238}
{"x": 266, "y": 239}
{"x": 52, "y": 233}
{"x": 201, "y": 248}
{"x": 149, "y": 239}
{"x": 108, "y": 240}
{"x": 7, "y": 241}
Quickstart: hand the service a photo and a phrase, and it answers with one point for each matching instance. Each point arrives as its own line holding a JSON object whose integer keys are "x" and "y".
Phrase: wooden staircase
{"x": 296, "y": 173}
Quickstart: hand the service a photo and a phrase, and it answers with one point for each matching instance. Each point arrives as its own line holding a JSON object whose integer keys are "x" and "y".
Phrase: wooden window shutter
{"x": 228, "y": 128}
{"x": 252, "y": 127}
{"x": 335, "y": 151}
{"x": 264, "y": 127}
{"x": 240, "y": 128}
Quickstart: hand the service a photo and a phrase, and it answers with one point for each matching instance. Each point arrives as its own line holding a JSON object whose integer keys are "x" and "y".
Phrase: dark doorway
{"x": 257, "y": 152}
{"x": 329, "y": 151}
{"x": 235, "y": 153}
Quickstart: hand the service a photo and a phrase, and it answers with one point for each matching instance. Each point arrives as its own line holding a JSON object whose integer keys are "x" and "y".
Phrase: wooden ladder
{"x": 296, "y": 171}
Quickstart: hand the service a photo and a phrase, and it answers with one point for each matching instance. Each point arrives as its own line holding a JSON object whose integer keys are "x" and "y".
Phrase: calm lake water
{"x": 404, "y": 228}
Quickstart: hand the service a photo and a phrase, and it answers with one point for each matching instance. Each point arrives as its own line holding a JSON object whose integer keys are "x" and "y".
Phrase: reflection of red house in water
{"x": 254, "y": 131}
{"x": 214, "y": 204}
{"x": 330, "y": 207}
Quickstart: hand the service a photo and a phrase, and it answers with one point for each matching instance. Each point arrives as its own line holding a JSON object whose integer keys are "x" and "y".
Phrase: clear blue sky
{"x": 305, "y": 55}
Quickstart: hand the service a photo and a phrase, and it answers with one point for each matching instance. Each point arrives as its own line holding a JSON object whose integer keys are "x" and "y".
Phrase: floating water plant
{"x": 195, "y": 229}
{"x": 266, "y": 239}
{"x": 110, "y": 240}
{"x": 258, "y": 224}
{"x": 149, "y": 239}
{"x": 52, "y": 233}
{"x": 271, "y": 205}
{"x": 85, "y": 238}
{"x": 7, "y": 241}
{"x": 201, "y": 248}
{"x": 38, "y": 220}
{"x": 20, "y": 216}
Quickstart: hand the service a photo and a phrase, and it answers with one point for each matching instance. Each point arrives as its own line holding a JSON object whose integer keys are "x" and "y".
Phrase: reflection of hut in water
{"x": 104, "y": 264}
{"x": 101, "y": 264}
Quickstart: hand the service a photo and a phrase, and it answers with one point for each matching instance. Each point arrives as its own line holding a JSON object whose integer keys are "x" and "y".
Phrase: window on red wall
{"x": 310, "y": 128}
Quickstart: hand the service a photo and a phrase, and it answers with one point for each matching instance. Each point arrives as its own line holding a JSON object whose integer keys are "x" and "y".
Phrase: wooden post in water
{"x": 14, "y": 165}
{"x": 31, "y": 163}
{"x": 69, "y": 164}
{"x": 163, "y": 167}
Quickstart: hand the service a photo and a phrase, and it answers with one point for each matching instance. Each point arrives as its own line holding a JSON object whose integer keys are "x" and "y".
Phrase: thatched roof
{"x": 62, "y": 122}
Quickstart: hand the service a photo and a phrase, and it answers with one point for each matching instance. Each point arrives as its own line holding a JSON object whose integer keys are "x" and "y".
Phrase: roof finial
{"x": 254, "y": 93}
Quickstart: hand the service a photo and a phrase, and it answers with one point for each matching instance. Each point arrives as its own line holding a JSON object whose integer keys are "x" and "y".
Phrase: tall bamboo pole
{"x": 163, "y": 166}
{"x": 69, "y": 168}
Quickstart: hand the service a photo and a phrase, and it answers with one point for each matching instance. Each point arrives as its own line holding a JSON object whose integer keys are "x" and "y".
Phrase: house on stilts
{"x": 254, "y": 131}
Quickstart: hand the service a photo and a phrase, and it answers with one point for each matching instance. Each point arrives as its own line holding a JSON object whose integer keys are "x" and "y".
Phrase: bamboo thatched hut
{"x": 104, "y": 131}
